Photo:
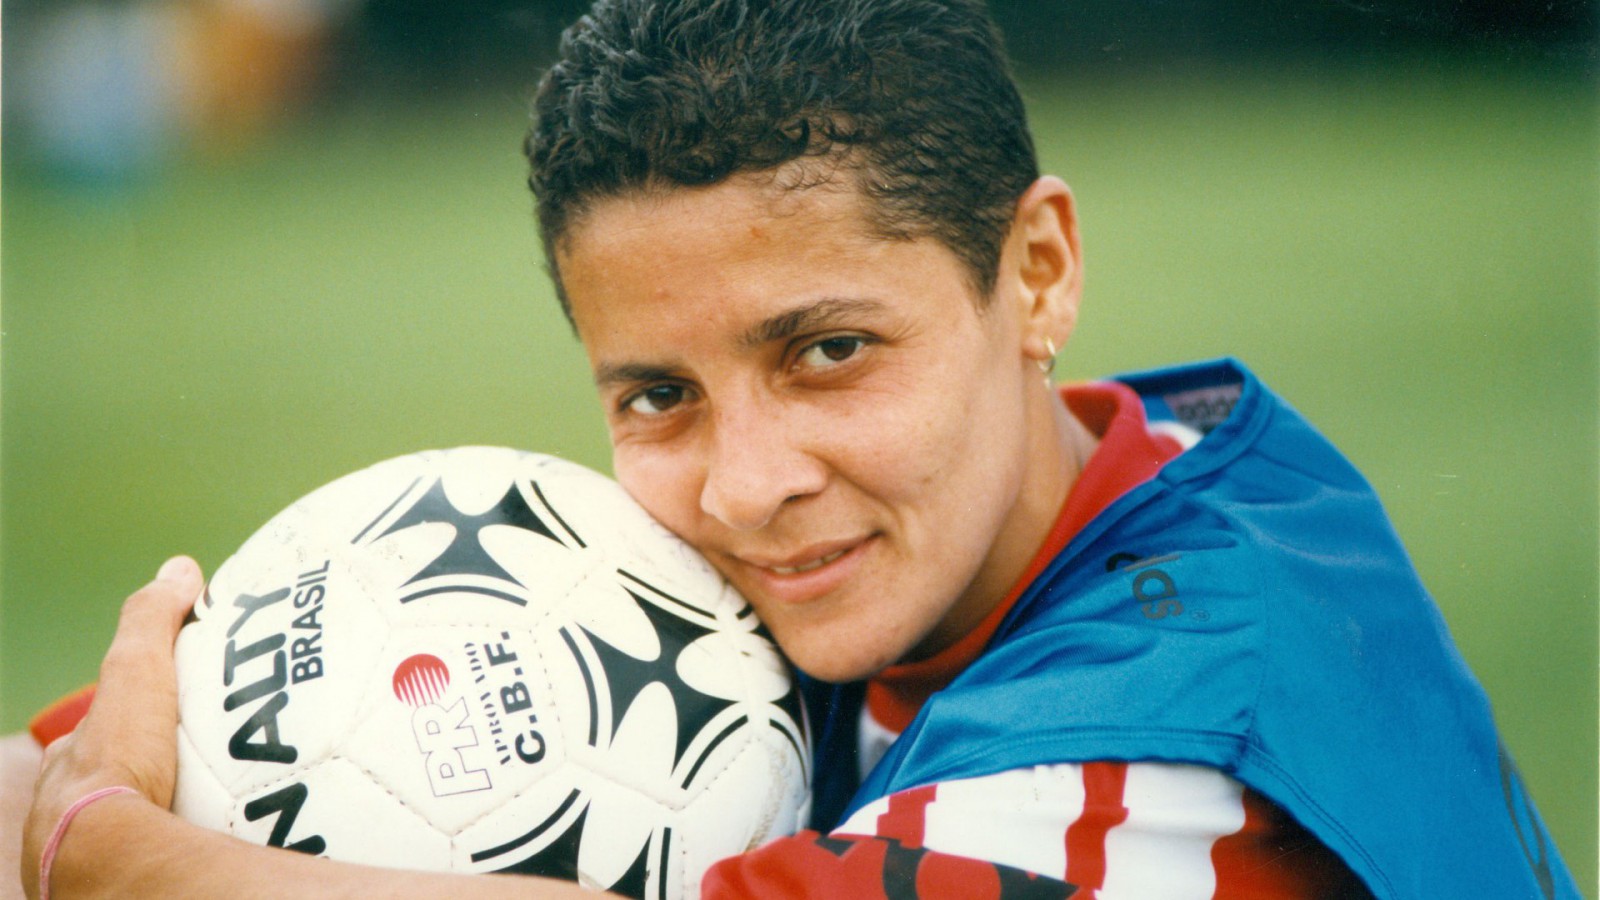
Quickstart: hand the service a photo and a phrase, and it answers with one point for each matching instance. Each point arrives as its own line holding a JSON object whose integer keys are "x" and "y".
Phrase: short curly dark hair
{"x": 912, "y": 97}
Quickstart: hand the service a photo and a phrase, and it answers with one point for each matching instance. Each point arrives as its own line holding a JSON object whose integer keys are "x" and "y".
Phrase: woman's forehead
{"x": 744, "y": 263}
{"x": 779, "y": 194}
{"x": 734, "y": 238}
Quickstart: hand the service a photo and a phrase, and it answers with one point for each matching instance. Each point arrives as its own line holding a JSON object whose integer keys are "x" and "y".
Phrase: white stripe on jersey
{"x": 1019, "y": 818}
{"x": 1016, "y": 818}
{"x": 865, "y": 821}
{"x": 1175, "y": 814}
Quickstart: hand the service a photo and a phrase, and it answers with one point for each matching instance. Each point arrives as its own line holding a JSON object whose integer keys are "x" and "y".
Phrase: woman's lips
{"x": 807, "y": 567}
{"x": 810, "y": 574}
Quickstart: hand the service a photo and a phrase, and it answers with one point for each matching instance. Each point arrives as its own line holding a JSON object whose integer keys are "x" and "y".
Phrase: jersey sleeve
{"x": 814, "y": 866}
{"x": 1104, "y": 830}
{"x": 58, "y": 720}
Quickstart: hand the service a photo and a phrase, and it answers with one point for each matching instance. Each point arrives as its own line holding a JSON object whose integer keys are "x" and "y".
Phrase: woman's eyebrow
{"x": 607, "y": 375}
{"x": 815, "y": 316}
{"x": 810, "y": 317}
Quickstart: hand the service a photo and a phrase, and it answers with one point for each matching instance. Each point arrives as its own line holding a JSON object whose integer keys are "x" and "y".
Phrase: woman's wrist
{"x": 91, "y": 843}
{"x": 53, "y": 845}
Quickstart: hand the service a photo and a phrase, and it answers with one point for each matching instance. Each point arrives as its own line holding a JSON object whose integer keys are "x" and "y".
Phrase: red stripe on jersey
{"x": 803, "y": 865}
{"x": 1273, "y": 857}
{"x": 810, "y": 865}
{"x": 906, "y": 815}
{"x": 1103, "y": 783}
{"x": 939, "y": 875}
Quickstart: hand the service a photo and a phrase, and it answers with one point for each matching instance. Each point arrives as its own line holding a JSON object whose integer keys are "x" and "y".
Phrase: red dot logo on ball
{"x": 421, "y": 679}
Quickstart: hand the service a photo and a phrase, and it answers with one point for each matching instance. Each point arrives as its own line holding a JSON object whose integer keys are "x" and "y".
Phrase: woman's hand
{"x": 129, "y": 845}
{"x": 128, "y": 737}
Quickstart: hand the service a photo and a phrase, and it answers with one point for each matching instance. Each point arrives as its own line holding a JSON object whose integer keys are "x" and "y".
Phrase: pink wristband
{"x": 54, "y": 843}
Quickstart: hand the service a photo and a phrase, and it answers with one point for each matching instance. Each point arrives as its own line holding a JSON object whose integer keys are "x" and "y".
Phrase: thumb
{"x": 150, "y": 620}
{"x": 183, "y": 574}
{"x": 136, "y": 702}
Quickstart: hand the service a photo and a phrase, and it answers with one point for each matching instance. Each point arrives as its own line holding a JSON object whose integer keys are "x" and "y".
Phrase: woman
{"x": 1145, "y": 638}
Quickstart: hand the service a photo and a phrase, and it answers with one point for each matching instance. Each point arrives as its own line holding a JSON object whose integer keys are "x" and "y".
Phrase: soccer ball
{"x": 484, "y": 660}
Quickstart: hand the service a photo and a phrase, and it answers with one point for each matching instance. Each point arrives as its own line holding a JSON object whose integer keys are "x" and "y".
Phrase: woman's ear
{"x": 1049, "y": 266}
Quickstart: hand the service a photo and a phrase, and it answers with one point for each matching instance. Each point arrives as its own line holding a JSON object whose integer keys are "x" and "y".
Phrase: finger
{"x": 142, "y": 647}
{"x": 136, "y": 697}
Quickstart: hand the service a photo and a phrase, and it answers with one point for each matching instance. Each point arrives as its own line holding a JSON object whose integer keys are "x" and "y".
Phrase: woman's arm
{"x": 19, "y": 766}
{"x": 125, "y": 846}
{"x": 128, "y": 845}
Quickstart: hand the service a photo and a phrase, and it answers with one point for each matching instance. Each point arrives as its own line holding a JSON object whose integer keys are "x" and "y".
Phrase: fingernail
{"x": 175, "y": 569}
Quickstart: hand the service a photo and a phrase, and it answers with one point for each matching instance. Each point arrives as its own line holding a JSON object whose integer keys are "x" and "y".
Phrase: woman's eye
{"x": 831, "y": 351}
{"x": 655, "y": 400}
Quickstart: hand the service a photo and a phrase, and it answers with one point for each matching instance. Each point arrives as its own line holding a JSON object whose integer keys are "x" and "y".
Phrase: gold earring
{"x": 1047, "y": 366}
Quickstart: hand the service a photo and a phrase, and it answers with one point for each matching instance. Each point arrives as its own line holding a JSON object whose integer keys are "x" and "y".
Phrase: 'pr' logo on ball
{"x": 421, "y": 679}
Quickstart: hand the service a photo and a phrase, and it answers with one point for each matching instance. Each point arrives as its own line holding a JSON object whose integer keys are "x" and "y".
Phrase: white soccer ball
{"x": 484, "y": 660}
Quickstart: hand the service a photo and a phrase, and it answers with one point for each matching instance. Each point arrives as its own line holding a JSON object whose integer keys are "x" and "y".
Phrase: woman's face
{"x": 863, "y": 448}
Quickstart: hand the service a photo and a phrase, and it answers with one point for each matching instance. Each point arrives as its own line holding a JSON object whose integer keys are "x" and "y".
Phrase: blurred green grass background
{"x": 1409, "y": 255}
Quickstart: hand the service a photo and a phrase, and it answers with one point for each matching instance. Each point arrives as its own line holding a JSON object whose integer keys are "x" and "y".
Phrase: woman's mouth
{"x": 809, "y": 575}
{"x": 807, "y": 567}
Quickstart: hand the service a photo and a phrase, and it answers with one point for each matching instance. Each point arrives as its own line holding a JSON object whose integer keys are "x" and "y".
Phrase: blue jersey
{"x": 1249, "y": 609}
